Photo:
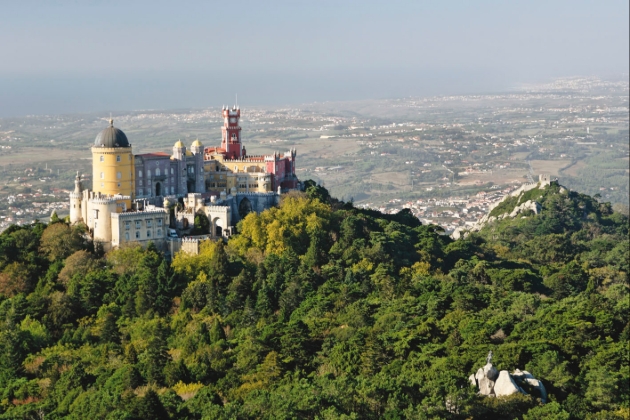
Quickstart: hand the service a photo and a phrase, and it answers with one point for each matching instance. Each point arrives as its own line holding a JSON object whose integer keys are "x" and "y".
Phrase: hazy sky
{"x": 80, "y": 56}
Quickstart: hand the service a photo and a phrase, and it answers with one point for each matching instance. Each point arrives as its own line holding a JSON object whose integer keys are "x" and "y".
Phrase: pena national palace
{"x": 154, "y": 197}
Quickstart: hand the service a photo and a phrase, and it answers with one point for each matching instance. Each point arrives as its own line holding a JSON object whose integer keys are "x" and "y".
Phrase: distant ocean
{"x": 65, "y": 93}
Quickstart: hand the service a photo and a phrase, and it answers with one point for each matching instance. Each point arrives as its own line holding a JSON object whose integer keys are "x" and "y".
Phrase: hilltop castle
{"x": 155, "y": 196}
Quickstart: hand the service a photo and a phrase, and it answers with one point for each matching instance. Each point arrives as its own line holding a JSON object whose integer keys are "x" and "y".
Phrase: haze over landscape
{"x": 415, "y": 210}
{"x": 66, "y": 57}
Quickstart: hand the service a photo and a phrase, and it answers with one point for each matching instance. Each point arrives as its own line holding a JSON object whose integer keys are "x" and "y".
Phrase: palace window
{"x": 140, "y": 191}
{"x": 102, "y": 184}
{"x": 102, "y": 175}
{"x": 119, "y": 184}
{"x": 148, "y": 223}
{"x": 126, "y": 236}
{"x": 157, "y": 172}
{"x": 95, "y": 225}
{"x": 127, "y": 225}
{"x": 148, "y": 233}
{"x": 102, "y": 159}
{"x": 159, "y": 232}
{"x": 172, "y": 171}
{"x": 118, "y": 175}
{"x": 138, "y": 224}
{"x": 139, "y": 174}
{"x": 148, "y": 172}
{"x": 159, "y": 222}
{"x": 118, "y": 158}
{"x": 95, "y": 214}
{"x": 137, "y": 234}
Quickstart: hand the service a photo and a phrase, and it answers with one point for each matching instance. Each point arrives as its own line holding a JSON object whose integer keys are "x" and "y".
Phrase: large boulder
{"x": 486, "y": 386}
{"x": 521, "y": 375}
{"x": 472, "y": 380}
{"x": 505, "y": 385}
{"x": 490, "y": 372}
{"x": 479, "y": 375}
{"x": 538, "y": 385}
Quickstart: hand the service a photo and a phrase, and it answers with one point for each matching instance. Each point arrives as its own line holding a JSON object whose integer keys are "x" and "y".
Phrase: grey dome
{"x": 111, "y": 137}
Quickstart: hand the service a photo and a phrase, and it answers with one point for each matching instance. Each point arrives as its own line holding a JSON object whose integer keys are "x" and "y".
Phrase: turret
{"x": 231, "y": 133}
{"x": 197, "y": 150}
{"x": 179, "y": 150}
{"x": 76, "y": 200}
{"x": 113, "y": 164}
{"x": 179, "y": 154}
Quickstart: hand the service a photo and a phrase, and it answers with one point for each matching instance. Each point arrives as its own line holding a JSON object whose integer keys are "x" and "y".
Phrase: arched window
{"x": 149, "y": 172}
{"x": 118, "y": 175}
{"x": 157, "y": 172}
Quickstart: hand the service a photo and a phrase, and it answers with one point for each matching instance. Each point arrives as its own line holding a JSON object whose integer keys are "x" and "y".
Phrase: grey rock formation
{"x": 541, "y": 388}
{"x": 520, "y": 375}
{"x": 505, "y": 385}
{"x": 498, "y": 384}
{"x": 486, "y": 386}
{"x": 528, "y": 205}
{"x": 490, "y": 372}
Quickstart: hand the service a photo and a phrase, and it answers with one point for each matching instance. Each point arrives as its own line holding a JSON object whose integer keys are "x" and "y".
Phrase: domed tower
{"x": 197, "y": 150}
{"x": 179, "y": 154}
{"x": 75, "y": 201}
{"x": 113, "y": 164}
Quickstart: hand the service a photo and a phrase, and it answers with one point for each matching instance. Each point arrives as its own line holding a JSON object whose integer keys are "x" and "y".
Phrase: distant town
{"x": 446, "y": 158}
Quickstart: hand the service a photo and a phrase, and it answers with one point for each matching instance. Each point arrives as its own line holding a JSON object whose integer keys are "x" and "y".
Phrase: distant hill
{"x": 317, "y": 309}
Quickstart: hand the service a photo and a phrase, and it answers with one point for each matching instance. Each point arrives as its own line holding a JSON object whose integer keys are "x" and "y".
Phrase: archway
{"x": 244, "y": 208}
{"x": 158, "y": 189}
{"x": 217, "y": 225}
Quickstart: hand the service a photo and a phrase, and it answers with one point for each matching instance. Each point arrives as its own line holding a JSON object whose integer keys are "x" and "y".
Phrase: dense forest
{"x": 319, "y": 310}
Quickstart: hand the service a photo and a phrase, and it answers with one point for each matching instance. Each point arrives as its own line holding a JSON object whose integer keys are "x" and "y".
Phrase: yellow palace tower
{"x": 113, "y": 165}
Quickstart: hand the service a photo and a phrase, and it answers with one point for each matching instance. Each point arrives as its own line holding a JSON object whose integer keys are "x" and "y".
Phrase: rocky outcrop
{"x": 493, "y": 383}
{"x": 527, "y": 380}
{"x": 505, "y": 385}
{"x": 528, "y": 205}
{"x": 534, "y": 206}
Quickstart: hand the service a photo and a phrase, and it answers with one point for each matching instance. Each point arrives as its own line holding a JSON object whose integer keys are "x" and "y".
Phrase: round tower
{"x": 75, "y": 201}
{"x": 197, "y": 150}
{"x": 113, "y": 164}
{"x": 101, "y": 210}
{"x": 179, "y": 154}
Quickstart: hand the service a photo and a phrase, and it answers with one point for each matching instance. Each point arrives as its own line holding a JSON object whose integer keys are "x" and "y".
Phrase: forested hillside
{"x": 319, "y": 310}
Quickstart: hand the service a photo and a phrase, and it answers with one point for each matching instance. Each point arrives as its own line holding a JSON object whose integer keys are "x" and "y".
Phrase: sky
{"x": 103, "y": 56}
